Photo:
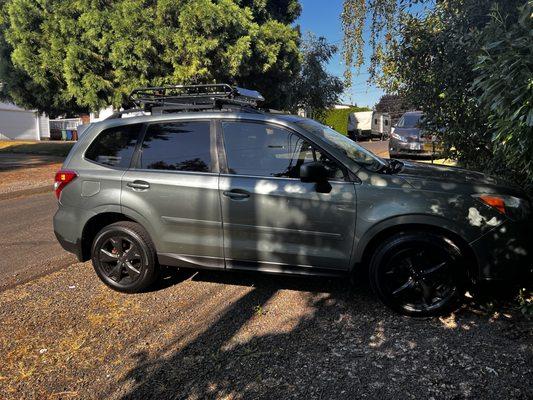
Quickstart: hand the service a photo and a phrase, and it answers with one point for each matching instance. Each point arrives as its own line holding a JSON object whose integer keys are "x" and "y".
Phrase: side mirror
{"x": 313, "y": 172}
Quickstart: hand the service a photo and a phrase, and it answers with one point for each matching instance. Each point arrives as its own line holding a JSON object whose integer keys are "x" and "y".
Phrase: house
{"x": 21, "y": 124}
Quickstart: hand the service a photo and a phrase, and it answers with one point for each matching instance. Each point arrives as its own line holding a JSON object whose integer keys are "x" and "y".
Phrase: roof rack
{"x": 176, "y": 98}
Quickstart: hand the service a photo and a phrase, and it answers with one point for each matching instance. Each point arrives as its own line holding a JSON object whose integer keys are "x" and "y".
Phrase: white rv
{"x": 381, "y": 125}
{"x": 360, "y": 125}
{"x": 368, "y": 124}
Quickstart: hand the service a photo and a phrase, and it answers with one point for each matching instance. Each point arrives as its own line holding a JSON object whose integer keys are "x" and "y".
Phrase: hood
{"x": 438, "y": 177}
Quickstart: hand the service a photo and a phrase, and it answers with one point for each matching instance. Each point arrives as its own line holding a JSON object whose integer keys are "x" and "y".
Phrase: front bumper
{"x": 506, "y": 253}
{"x": 397, "y": 147}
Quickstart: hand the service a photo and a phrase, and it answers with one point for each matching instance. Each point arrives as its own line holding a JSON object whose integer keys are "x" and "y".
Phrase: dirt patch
{"x": 225, "y": 335}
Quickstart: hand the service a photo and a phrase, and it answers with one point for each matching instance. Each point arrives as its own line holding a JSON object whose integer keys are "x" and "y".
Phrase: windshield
{"x": 409, "y": 121}
{"x": 351, "y": 149}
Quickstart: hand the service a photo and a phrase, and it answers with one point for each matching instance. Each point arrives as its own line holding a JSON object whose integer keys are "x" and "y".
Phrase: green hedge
{"x": 338, "y": 118}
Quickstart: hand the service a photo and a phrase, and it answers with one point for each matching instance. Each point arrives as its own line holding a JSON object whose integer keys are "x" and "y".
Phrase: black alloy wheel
{"x": 418, "y": 274}
{"x": 120, "y": 259}
{"x": 123, "y": 256}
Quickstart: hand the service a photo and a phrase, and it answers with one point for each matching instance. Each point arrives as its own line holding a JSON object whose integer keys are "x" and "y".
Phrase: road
{"x": 27, "y": 242}
{"x": 380, "y": 148}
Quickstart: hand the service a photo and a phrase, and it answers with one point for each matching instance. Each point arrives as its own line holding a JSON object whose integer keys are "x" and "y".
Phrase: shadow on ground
{"x": 344, "y": 345}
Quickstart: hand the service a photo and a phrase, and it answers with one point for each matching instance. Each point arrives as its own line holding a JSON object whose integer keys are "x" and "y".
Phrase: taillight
{"x": 63, "y": 178}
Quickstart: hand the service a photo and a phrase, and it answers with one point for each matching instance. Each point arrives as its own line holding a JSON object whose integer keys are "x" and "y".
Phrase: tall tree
{"x": 394, "y": 105}
{"x": 88, "y": 53}
{"x": 315, "y": 89}
{"x": 467, "y": 64}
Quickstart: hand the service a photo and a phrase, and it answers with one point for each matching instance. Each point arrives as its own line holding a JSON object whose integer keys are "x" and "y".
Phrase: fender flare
{"x": 410, "y": 220}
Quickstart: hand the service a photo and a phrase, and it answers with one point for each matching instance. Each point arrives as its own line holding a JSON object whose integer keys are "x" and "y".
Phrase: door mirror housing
{"x": 313, "y": 172}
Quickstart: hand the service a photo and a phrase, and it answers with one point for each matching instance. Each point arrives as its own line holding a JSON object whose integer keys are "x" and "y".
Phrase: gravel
{"x": 233, "y": 336}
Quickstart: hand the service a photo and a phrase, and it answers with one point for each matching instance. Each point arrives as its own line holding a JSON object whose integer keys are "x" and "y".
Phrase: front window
{"x": 351, "y": 149}
{"x": 264, "y": 150}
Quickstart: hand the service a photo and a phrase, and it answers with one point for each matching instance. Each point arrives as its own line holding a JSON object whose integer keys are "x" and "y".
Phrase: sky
{"x": 323, "y": 19}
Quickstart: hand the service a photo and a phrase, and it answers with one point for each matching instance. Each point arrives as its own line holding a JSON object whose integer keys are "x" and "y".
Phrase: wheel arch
{"x": 376, "y": 235}
{"x": 94, "y": 225}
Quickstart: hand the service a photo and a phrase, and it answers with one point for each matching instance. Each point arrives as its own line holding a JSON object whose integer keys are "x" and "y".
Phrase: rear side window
{"x": 177, "y": 146}
{"x": 114, "y": 146}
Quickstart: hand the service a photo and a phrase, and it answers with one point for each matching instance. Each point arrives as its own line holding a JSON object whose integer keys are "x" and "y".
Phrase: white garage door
{"x": 18, "y": 124}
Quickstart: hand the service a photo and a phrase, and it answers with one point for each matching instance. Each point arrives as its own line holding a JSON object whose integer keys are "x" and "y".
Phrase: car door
{"x": 173, "y": 188}
{"x": 272, "y": 220}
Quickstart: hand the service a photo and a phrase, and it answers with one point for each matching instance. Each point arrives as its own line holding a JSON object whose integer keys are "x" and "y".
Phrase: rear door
{"x": 272, "y": 220}
{"x": 173, "y": 188}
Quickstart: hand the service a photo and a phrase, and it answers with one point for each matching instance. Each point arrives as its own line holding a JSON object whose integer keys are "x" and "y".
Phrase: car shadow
{"x": 344, "y": 344}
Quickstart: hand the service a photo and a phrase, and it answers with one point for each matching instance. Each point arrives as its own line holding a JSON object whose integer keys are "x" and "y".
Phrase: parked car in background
{"x": 408, "y": 139}
{"x": 209, "y": 181}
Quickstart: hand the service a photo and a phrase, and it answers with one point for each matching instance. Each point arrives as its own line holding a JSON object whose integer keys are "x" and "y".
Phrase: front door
{"x": 173, "y": 190}
{"x": 272, "y": 220}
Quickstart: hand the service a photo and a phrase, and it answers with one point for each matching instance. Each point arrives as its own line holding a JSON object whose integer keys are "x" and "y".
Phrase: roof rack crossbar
{"x": 194, "y": 96}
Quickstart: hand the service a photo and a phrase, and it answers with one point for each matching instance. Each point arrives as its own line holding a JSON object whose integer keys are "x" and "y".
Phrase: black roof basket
{"x": 174, "y": 98}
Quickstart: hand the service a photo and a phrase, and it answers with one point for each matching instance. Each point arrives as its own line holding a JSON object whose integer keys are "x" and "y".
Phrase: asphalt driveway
{"x": 28, "y": 246}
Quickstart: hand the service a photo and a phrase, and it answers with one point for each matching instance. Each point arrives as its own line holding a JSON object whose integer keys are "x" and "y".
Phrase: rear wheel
{"x": 124, "y": 257}
{"x": 418, "y": 273}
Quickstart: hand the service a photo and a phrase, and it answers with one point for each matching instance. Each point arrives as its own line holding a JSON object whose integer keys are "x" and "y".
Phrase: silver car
{"x": 209, "y": 181}
{"x": 407, "y": 139}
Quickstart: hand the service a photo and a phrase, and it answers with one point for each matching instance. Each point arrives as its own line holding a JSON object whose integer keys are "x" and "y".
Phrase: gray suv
{"x": 210, "y": 181}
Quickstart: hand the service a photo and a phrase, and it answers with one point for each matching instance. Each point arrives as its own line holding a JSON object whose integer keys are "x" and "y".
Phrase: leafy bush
{"x": 505, "y": 87}
{"x": 338, "y": 118}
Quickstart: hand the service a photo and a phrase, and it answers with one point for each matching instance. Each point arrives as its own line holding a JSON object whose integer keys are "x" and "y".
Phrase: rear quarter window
{"x": 114, "y": 146}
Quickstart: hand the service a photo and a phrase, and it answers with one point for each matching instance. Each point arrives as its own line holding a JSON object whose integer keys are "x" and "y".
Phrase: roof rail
{"x": 175, "y": 98}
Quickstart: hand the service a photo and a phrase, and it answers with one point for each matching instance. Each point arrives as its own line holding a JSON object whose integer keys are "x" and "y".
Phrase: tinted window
{"x": 114, "y": 146}
{"x": 177, "y": 146}
{"x": 264, "y": 150}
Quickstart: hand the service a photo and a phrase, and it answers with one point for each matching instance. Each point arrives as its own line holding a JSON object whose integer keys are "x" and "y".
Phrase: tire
{"x": 124, "y": 257}
{"x": 418, "y": 274}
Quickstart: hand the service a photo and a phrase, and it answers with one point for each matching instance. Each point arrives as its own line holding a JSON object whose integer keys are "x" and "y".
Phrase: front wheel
{"x": 124, "y": 257}
{"x": 418, "y": 273}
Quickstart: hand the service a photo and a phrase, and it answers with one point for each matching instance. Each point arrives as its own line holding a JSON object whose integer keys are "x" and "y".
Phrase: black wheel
{"x": 418, "y": 274}
{"x": 124, "y": 257}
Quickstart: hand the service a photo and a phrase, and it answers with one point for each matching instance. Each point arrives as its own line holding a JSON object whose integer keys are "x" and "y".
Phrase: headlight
{"x": 397, "y": 137}
{"x": 513, "y": 207}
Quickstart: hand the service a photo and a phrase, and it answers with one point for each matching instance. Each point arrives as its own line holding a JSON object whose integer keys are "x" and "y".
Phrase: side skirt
{"x": 217, "y": 263}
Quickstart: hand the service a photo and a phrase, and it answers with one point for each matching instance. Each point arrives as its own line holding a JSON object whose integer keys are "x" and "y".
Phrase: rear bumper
{"x": 67, "y": 228}
{"x": 506, "y": 253}
{"x": 74, "y": 248}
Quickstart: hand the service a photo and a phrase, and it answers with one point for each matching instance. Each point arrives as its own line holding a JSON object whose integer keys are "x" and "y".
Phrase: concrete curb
{"x": 26, "y": 192}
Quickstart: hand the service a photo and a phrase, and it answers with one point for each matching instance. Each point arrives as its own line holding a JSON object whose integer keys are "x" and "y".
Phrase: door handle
{"x": 138, "y": 185}
{"x": 236, "y": 194}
